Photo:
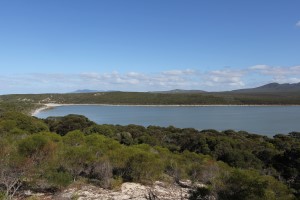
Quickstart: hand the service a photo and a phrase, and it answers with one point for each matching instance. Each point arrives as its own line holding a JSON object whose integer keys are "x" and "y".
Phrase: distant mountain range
{"x": 92, "y": 91}
{"x": 269, "y": 94}
{"x": 272, "y": 87}
{"x": 179, "y": 91}
{"x": 268, "y": 88}
{"x": 85, "y": 91}
{"x": 176, "y": 91}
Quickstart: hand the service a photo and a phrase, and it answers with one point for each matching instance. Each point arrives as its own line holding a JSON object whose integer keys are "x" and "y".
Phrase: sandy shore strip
{"x": 45, "y": 107}
{"x": 52, "y": 105}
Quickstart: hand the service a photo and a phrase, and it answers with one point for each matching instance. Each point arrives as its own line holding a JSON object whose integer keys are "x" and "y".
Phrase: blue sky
{"x": 139, "y": 45}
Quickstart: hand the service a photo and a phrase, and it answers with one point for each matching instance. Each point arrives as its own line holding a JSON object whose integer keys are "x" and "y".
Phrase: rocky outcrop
{"x": 135, "y": 191}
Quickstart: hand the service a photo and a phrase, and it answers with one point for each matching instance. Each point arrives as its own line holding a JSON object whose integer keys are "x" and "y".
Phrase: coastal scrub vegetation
{"x": 151, "y": 98}
{"x": 48, "y": 155}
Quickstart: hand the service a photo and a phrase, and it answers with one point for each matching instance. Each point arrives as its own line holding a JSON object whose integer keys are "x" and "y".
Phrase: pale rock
{"x": 133, "y": 191}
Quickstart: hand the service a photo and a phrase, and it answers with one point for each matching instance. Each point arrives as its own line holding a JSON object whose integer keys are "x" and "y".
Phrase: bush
{"x": 59, "y": 179}
{"x": 143, "y": 167}
{"x": 63, "y": 125}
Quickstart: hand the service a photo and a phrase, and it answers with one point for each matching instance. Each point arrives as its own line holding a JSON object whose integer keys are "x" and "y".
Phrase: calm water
{"x": 265, "y": 120}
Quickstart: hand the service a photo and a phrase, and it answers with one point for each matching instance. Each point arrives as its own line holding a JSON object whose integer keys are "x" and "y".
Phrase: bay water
{"x": 264, "y": 120}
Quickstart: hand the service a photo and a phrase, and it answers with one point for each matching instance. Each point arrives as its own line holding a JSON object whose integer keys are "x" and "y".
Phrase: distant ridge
{"x": 86, "y": 91}
{"x": 179, "y": 91}
{"x": 268, "y": 88}
{"x": 269, "y": 94}
{"x": 92, "y": 91}
{"x": 272, "y": 87}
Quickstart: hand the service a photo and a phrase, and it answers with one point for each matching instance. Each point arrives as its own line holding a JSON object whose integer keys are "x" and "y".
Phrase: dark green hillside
{"x": 273, "y": 98}
{"x": 119, "y": 98}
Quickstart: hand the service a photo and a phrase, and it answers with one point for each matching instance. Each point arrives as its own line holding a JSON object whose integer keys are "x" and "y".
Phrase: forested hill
{"x": 273, "y": 88}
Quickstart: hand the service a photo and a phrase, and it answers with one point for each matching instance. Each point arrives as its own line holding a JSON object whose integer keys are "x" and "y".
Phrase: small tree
{"x": 102, "y": 170}
{"x": 75, "y": 159}
{"x": 13, "y": 169}
{"x": 143, "y": 167}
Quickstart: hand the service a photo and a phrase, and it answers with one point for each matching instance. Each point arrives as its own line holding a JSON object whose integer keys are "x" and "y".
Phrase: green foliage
{"x": 243, "y": 185}
{"x": 295, "y": 134}
{"x": 2, "y": 196}
{"x": 32, "y": 145}
{"x": 13, "y": 168}
{"x": 143, "y": 166}
{"x": 288, "y": 164}
{"x": 243, "y": 159}
{"x": 40, "y": 150}
{"x": 12, "y": 120}
{"x": 277, "y": 190}
{"x": 27, "y": 102}
{"x": 59, "y": 179}
{"x": 249, "y": 184}
{"x": 9, "y": 103}
{"x": 125, "y": 138}
{"x": 116, "y": 182}
{"x": 104, "y": 129}
{"x": 107, "y": 155}
{"x": 74, "y": 138}
{"x": 63, "y": 125}
{"x": 74, "y": 159}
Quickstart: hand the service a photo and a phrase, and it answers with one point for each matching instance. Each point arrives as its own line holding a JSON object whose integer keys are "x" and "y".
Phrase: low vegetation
{"x": 48, "y": 155}
{"x": 146, "y": 98}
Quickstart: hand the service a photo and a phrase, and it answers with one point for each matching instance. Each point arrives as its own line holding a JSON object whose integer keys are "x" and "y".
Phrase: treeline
{"x": 146, "y": 98}
{"x": 48, "y": 155}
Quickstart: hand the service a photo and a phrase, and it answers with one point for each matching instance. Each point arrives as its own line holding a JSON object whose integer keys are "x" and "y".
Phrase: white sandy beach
{"x": 45, "y": 107}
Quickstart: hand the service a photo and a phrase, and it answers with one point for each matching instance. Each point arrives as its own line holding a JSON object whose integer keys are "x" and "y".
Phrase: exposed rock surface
{"x": 135, "y": 191}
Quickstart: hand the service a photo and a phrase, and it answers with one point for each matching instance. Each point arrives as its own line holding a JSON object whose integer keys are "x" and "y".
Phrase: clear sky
{"x": 146, "y": 45}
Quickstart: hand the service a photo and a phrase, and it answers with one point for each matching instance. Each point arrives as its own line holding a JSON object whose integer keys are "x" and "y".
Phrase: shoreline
{"x": 38, "y": 110}
{"x": 53, "y": 105}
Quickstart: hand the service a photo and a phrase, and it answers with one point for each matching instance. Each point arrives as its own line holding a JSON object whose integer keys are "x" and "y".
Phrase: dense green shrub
{"x": 257, "y": 167}
{"x": 63, "y": 125}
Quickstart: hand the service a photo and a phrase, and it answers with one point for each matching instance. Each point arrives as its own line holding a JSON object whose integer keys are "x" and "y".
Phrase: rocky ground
{"x": 135, "y": 191}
